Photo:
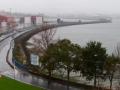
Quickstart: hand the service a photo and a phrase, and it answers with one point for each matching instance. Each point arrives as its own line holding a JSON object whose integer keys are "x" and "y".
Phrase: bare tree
{"x": 116, "y": 53}
{"x": 118, "y": 66}
{"x": 117, "y": 50}
{"x": 43, "y": 40}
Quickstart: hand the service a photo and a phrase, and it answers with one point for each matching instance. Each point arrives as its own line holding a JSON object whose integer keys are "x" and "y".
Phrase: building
{"x": 11, "y": 22}
{"x": 7, "y": 21}
{"x": 27, "y": 21}
{"x": 37, "y": 20}
{"x": 31, "y": 20}
{"x": 3, "y": 20}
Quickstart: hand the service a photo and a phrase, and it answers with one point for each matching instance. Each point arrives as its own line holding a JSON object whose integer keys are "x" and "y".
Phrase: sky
{"x": 62, "y": 6}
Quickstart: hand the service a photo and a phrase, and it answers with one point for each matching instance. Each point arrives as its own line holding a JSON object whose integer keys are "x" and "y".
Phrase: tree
{"x": 78, "y": 59}
{"x": 111, "y": 67}
{"x": 49, "y": 60}
{"x": 112, "y": 64}
{"x": 19, "y": 54}
{"x": 61, "y": 55}
{"x": 68, "y": 53}
{"x": 94, "y": 57}
{"x": 43, "y": 40}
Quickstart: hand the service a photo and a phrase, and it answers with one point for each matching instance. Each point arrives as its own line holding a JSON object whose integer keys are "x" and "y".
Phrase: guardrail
{"x": 19, "y": 65}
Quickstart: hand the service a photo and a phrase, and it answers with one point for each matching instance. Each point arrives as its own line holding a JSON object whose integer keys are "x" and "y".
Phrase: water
{"x": 106, "y": 33}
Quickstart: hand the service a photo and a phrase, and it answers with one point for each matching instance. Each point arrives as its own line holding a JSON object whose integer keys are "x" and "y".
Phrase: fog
{"x": 62, "y": 6}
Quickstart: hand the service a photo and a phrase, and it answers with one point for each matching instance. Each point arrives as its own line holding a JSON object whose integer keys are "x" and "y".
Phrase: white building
{"x": 27, "y": 21}
{"x": 3, "y": 24}
{"x": 39, "y": 20}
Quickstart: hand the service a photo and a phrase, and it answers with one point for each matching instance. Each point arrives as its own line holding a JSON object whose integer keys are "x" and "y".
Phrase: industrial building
{"x": 7, "y": 21}
{"x": 31, "y": 20}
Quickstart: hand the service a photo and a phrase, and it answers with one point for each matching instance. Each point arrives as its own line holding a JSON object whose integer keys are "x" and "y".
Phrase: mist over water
{"x": 106, "y": 33}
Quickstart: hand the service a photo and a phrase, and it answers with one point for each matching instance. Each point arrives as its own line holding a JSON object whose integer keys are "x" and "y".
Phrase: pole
{"x": 14, "y": 69}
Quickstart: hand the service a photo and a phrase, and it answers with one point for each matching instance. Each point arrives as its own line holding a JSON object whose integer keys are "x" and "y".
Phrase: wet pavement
{"x": 37, "y": 81}
{"x": 4, "y": 46}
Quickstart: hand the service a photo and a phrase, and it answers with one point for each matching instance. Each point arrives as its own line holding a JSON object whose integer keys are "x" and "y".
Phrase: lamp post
{"x": 95, "y": 71}
{"x": 14, "y": 69}
{"x": 0, "y": 75}
{"x": 12, "y": 47}
{"x": 98, "y": 71}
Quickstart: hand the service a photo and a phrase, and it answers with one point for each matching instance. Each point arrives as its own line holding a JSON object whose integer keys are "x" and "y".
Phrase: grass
{"x": 10, "y": 84}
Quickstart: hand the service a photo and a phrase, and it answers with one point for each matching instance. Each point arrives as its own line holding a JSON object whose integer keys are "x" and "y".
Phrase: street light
{"x": 12, "y": 47}
{"x": 14, "y": 69}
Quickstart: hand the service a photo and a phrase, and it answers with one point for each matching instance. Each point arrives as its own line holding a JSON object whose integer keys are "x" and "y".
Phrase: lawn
{"x": 10, "y": 84}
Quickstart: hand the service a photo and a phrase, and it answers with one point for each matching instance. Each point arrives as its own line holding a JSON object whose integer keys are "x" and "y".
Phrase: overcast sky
{"x": 62, "y": 6}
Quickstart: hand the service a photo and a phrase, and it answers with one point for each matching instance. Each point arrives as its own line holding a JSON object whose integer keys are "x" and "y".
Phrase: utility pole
{"x": 14, "y": 68}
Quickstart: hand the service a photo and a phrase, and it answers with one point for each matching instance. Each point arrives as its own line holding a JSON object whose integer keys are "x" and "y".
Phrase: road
{"x": 4, "y": 46}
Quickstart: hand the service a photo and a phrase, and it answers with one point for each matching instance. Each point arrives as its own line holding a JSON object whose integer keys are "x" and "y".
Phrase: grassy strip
{"x": 10, "y": 84}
